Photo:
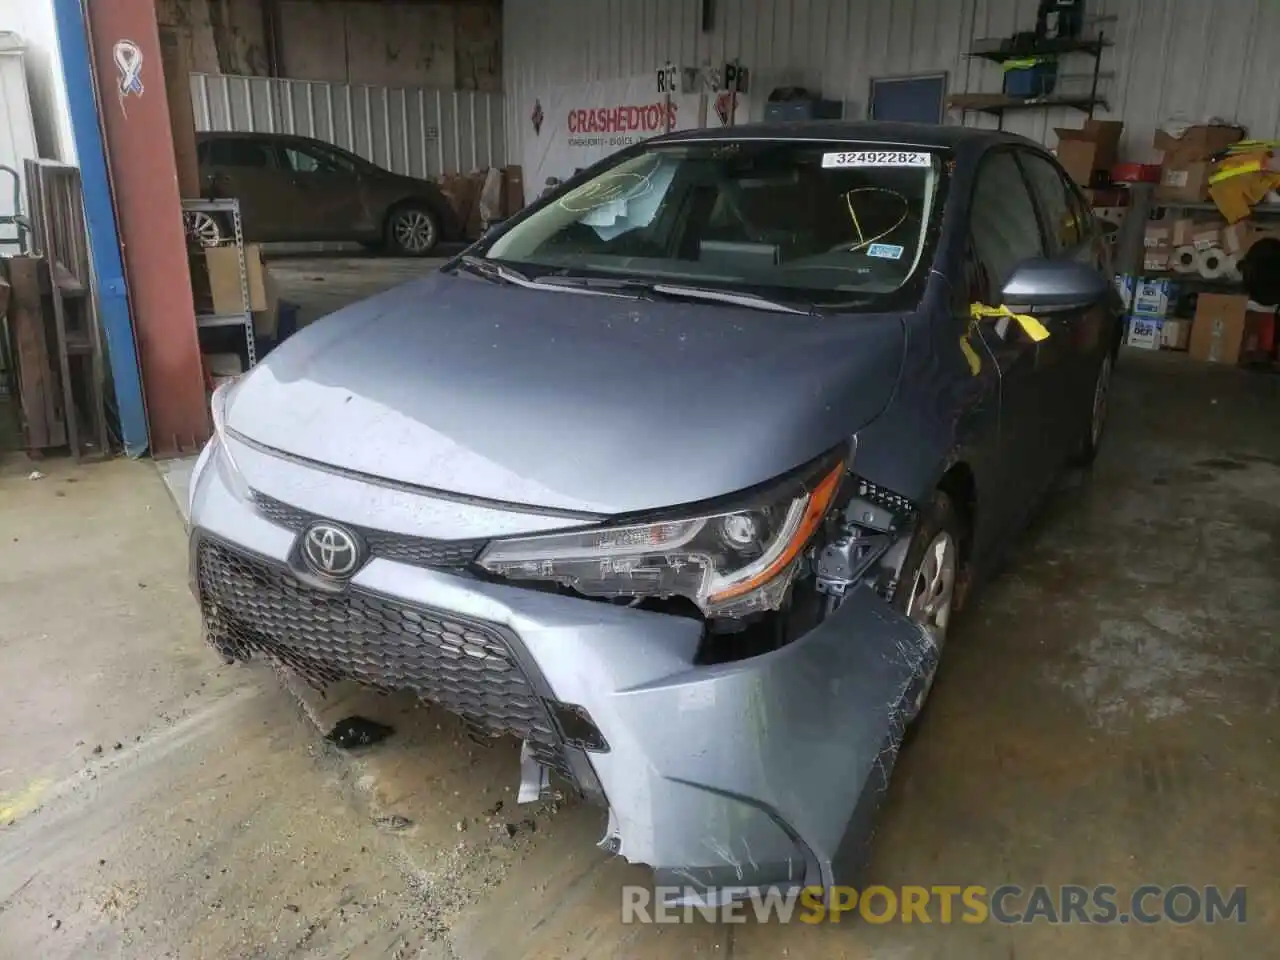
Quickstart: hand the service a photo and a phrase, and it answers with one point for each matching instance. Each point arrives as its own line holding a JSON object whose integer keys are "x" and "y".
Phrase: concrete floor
{"x": 1106, "y": 713}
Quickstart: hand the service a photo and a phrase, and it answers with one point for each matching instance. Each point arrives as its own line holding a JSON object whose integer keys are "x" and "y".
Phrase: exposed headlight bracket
{"x": 875, "y": 521}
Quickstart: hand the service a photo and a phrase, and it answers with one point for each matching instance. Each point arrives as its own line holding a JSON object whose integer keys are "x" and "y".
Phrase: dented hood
{"x": 562, "y": 400}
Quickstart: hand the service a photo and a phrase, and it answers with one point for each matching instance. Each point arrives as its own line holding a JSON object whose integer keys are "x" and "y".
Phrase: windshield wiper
{"x": 673, "y": 291}
{"x": 737, "y": 298}
{"x": 494, "y": 271}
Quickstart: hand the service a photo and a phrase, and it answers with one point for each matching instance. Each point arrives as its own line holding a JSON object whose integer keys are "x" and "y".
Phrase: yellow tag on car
{"x": 1034, "y": 329}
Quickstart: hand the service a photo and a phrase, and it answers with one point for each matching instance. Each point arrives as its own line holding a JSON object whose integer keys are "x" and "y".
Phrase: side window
{"x": 230, "y": 152}
{"x": 315, "y": 160}
{"x": 1056, "y": 198}
{"x": 1002, "y": 222}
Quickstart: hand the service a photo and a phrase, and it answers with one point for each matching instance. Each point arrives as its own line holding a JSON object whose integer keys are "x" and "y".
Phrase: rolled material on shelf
{"x": 1184, "y": 259}
{"x": 1233, "y": 268}
{"x": 1212, "y": 264}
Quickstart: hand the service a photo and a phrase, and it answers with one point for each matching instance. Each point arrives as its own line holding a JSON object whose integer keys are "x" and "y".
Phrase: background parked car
{"x": 299, "y": 189}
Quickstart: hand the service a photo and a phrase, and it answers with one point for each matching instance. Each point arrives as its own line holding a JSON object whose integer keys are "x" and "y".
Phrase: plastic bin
{"x": 1034, "y": 81}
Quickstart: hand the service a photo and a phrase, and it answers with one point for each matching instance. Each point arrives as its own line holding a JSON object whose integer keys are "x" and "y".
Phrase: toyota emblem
{"x": 330, "y": 550}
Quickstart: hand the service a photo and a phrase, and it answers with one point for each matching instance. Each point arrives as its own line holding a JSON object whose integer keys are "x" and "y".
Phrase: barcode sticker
{"x": 877, "y": 158}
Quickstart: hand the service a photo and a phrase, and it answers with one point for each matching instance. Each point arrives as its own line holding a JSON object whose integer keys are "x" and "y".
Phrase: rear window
{"x": 805, "y": 221}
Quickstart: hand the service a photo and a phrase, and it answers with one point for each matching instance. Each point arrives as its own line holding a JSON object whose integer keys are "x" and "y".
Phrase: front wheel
{"x": 1088, "y": 451}
{"x": 926, "y": 591}
{"x": 412, "y": 231}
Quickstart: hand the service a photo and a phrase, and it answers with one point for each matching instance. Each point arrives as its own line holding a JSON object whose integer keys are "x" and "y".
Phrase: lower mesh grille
{"x": 467, "y": 667}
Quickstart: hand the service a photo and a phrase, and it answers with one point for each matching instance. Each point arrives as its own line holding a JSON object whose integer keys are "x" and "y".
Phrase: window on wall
{"x": 1003, "y": 220}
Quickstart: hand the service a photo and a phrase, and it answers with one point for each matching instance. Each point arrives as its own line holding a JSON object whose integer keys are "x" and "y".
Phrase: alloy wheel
{"x": 932, "y": 593}
{"x": 202, "y": 228}
{"x": 414, "y": 231}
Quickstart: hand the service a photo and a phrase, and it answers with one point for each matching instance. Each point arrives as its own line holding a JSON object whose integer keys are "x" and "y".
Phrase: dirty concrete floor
{"x": 1106, "y": 713}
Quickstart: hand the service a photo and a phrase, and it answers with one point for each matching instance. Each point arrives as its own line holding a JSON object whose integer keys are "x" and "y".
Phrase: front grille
{"x": 468, "y": 667}
{"x": 400, "y": 547}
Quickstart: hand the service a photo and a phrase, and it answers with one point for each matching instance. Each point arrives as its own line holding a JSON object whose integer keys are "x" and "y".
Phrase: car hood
{"x": 567, "y": 401}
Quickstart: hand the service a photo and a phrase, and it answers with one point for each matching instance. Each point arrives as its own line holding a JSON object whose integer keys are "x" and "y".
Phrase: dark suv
{"x": 297, "y": 188}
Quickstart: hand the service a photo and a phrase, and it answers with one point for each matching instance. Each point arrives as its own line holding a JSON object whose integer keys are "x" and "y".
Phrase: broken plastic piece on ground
{"x": 352, "y": 732}
{"x": 535, "y": 779}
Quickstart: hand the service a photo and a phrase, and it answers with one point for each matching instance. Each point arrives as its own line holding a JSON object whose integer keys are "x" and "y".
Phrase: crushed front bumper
{"x": 758, "y": 773}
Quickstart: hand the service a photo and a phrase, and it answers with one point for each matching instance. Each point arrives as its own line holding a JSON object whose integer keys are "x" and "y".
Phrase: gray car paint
{"x": 454, "y": 383}
{"x": 731, "y": 774}
{"x": 763, "y": 772}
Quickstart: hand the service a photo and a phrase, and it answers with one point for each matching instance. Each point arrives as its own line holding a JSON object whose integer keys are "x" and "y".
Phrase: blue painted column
{"x": 104, "y": 242}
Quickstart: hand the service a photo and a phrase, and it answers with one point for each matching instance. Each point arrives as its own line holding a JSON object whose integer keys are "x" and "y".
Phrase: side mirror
{"x": 493, "y": 226}
{"x": 1054, "y": 285}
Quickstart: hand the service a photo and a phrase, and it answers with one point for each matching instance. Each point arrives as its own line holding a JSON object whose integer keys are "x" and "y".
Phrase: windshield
{"x": 822, "y": 223}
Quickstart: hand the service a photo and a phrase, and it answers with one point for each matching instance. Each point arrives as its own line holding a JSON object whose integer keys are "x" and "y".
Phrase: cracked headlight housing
{"x": 730, "y": 562}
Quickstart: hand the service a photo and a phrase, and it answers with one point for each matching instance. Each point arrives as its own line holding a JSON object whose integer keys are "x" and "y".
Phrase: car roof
{"x": 863, "y": 131}
{"x": 252, "y": 135}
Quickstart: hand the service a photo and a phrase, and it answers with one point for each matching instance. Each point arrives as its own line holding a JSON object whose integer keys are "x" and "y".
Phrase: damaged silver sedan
{"x": 679, "y": 475}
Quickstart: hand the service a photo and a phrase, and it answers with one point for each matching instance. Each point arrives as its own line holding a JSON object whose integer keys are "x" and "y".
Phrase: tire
{"x": 1095, "y": 425}
{"x": 413, "y": 230}
{"x": 939, "y": 524}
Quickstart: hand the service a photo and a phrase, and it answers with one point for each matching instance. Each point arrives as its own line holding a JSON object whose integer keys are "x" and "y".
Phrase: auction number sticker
{"x": 877, "y": 158}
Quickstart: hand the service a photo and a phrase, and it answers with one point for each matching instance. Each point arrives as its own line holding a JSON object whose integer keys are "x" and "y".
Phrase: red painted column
{"x": 135, "y": 118}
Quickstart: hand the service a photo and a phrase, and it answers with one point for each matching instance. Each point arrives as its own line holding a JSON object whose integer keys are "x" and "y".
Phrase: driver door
{"x": 325, "y": 193}
{"x": 1005, "y": 231}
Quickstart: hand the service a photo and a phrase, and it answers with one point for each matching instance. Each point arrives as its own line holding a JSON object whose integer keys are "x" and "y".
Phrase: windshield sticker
{"x": 877, "y": 158}
{"x": 885, "y": 251}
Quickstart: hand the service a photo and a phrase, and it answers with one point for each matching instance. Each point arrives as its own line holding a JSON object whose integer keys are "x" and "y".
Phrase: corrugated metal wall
{"x": 17, "y": 131}
{"x": 1184, "y": 58}
{"x": 414, "y": 131}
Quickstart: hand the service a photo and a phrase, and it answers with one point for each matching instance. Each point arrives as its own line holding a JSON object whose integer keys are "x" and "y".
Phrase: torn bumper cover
{"x": 758, "y": 773}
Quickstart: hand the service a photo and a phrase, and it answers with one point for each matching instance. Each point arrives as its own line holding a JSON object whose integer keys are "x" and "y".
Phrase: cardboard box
{"x": 1175, "y": 334}
{"x": 266, "y": 322}
{"x": 1156, "y": 261}
{"x": 222, "y": 268}
{"x": 1199, "y": 142}
{"x": 1218, "y": 330}
{"x": 1158, "y": 235}
{"x": 1144, "y": 332}
{"x": 1183, "y": 182}
{"x": 1183, "y": 228}
{"x": 1240, "y": 236}
{"x": 1205, "y": 236}
{"x": 512, "y": 190}
{"x": 1151, "y": 297}
{"x": 1092, "y": 147}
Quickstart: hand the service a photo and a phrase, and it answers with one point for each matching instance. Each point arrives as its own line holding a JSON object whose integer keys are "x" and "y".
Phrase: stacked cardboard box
{"x": 1186, "y": 167}
{"x": 1088, "y": 150}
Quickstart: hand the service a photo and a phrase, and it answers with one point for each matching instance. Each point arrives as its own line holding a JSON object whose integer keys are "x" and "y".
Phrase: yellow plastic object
{"x": 1033, "y": 328}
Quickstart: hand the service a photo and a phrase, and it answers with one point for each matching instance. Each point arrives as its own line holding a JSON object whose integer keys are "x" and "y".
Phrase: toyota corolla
{"x": 680, "y": 475}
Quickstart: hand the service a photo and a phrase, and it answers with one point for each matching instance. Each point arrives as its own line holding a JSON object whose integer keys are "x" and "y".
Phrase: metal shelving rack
{"x": 230, "y": 210}
{"x": 997, "y": 51}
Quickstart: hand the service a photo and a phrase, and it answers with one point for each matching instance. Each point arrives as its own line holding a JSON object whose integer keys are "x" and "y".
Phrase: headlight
{"x": 729, "y": 563}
